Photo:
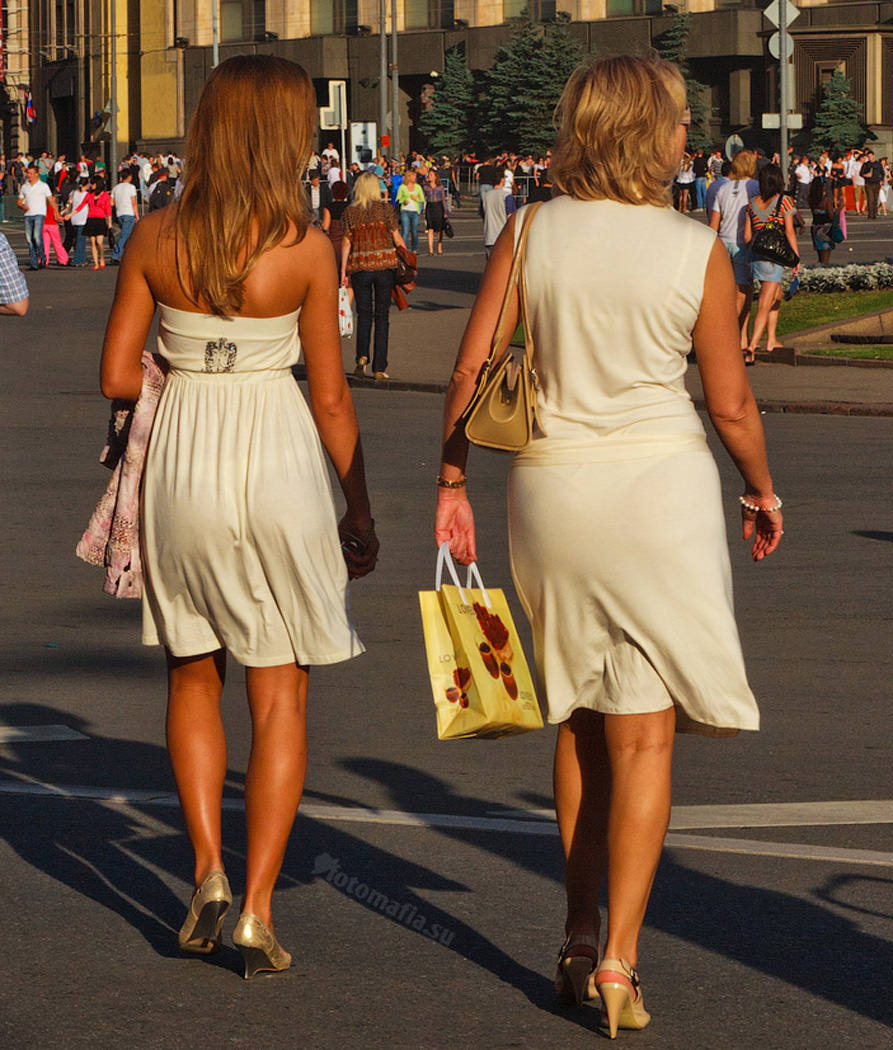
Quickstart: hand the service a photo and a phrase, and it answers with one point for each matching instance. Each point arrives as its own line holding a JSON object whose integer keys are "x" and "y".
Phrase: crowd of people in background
{"x": 870, "y": 177}
{"x": 70, "y": 204}
{"x": 57, "y": 194}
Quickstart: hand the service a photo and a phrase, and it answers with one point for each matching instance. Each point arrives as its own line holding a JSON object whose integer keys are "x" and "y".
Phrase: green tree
{"x": 673, "y": 46}
{"x": 447, "y": 122}
{"x": 516, "y": 108}
{"x": 838, "y": 120}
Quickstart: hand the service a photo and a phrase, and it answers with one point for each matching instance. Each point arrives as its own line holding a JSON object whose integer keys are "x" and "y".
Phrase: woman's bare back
{"x": 277, "y": 284}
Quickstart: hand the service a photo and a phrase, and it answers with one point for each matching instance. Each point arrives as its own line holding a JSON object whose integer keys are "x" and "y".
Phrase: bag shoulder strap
{"x": 500, "y": 336}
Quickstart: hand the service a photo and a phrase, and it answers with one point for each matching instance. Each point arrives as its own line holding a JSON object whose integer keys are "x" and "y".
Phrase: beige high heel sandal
{"x": 575, "y": 978}
{"x": 622, "y": 1001}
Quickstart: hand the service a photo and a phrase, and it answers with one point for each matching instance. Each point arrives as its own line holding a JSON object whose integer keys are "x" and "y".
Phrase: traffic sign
{"x": 773, "y": 12}
{"x": 773, "y": 121}
{"x": 335, "y": 114}
{"x": 775, "y": 45}
{"x": 734, "y": 144}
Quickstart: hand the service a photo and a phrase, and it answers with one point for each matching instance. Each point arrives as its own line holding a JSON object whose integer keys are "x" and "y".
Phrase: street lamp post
{"x": 113, "y": 94}
{"x": 382, "y": 72}
{"x": 395, "y": 86}
{"x": 783, "y": 72}
{"x": 215, "y": 36}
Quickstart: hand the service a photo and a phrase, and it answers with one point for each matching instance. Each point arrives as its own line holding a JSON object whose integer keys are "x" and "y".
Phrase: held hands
{"x": 454, "y": 524}
{"x": 765, "y": 526}
{"x": 360, "y": 546}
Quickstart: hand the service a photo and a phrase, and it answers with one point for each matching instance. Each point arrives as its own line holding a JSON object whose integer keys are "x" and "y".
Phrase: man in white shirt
{"x": 858, "y": 183}
{"x": 145, "y": 166}
{"x": 33, "y": 199}
{"x": 803, "y": 175}
{"x": 124, "y": 200}
{"x": 319, "y": 195}
{"x": 330, "y": 155}
{"x": 333, "y": 175}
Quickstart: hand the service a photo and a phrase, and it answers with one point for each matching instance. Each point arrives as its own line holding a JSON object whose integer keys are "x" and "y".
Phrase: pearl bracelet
{"x": 445, "y": 483}
{"x": 745, "y": 502}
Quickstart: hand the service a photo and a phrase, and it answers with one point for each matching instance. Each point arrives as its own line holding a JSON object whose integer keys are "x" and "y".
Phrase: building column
{"x": 739, "y": 98}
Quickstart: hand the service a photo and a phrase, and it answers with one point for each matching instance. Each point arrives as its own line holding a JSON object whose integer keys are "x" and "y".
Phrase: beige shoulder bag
{"x": 502, "y": 411}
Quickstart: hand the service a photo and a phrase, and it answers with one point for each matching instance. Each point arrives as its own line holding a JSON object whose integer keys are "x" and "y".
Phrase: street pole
{"x": 395, "y": 86}
{"x": 215, "y": 36}
{"x": 783, "y": 71}
{"x": 342, "y": 120}
{"x": 113, "y": 123}
{"x": 382, "y": 73}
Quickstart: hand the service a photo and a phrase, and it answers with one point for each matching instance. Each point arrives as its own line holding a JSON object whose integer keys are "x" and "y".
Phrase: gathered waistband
{"x": 608, "y": 449}
{"x": 265, "y": 375}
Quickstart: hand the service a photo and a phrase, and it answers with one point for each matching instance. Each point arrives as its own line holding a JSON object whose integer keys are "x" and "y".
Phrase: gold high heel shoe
{"x": 575, "y": 979}
{"x": 210, "y": 902}
{"x": 260, "y": 949}
{"x": 622, "y": 1002}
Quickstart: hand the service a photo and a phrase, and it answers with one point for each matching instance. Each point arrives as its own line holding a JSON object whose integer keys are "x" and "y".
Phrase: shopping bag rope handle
{"x": 444, "y": 559}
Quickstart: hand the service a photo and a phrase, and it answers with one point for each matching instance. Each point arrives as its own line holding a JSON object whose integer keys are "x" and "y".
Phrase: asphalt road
{"x": 768, "y": 927}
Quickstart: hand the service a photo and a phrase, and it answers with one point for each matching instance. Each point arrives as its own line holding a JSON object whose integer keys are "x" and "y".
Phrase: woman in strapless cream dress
{"x": 241, "y": 547}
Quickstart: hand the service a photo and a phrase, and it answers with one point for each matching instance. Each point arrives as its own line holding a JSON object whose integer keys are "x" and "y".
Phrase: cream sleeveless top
{"x": 614, "y": 291}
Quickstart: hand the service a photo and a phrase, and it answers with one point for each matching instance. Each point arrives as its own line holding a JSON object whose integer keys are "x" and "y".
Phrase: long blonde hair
{"x": 617, "y": 121}
{"x": 248, "y": 144}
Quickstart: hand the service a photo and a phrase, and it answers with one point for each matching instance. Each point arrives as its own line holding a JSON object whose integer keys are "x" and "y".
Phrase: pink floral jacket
{"x": 112, "y": 538}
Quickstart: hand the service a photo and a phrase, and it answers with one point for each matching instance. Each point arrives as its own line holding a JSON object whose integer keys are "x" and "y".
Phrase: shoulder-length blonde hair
{"x": 744, "y": 164}
{"x": 249, "y": 142}
{"x": 617, "y": 122}
{"x": 366, "y": 190}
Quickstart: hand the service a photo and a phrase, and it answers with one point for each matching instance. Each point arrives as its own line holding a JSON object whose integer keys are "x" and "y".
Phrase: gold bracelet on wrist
{"x": 445, "y": 483}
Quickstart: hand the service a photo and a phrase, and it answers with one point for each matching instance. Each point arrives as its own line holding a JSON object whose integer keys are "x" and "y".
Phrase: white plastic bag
{"x": 345, "y": 313}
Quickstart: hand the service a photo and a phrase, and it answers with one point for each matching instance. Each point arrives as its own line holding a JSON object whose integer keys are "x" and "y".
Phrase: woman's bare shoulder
{"x": 153, "y": 234}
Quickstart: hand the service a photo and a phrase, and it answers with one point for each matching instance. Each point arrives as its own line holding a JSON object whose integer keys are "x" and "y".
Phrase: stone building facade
{"x": 164, "y": 54}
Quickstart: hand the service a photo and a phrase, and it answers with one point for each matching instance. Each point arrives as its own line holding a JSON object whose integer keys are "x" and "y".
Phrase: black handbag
{"x": 448, "y": 228}
{"x": 771, "y": 241}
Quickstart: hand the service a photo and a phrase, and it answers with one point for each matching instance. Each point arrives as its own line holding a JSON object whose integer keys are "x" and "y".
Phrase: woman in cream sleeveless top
{"x": 616, "y": 527}
{"x": 241, "y": 546}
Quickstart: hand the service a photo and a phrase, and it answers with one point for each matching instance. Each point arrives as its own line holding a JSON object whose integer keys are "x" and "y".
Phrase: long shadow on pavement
{"x": 775, "y": 933}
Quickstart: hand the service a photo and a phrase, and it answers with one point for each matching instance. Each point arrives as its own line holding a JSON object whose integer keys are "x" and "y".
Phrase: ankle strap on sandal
{"x": 621, "y": 966}
{"x": 582, "y": 940}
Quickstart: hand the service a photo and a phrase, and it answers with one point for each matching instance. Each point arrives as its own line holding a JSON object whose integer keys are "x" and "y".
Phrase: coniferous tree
{"x": 838, "y": 120}
{"x": 673, "y": 46}
{"x": 521, "y": 91}
{"x": 447, "y": 121}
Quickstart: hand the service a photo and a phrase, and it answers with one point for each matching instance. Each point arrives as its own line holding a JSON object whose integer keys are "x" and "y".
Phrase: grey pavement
{"x": 768, "y": 927}
{"x": 425, "y": 338}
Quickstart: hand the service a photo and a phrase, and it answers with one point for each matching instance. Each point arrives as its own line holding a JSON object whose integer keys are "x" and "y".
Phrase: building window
{"x": 242, "y": 19}
{"x": 428, "y": 14}
{"x": 333, "y": 16}
{"x": 626, "y": 8}
{"x": 232, "y": 20}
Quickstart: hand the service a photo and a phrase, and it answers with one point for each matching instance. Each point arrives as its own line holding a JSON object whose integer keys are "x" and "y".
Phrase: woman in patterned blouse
{"x": 368, "y": 259}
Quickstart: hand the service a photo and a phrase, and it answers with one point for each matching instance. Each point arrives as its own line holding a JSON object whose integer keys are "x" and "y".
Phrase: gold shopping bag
{"x": 480, "y": 680}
